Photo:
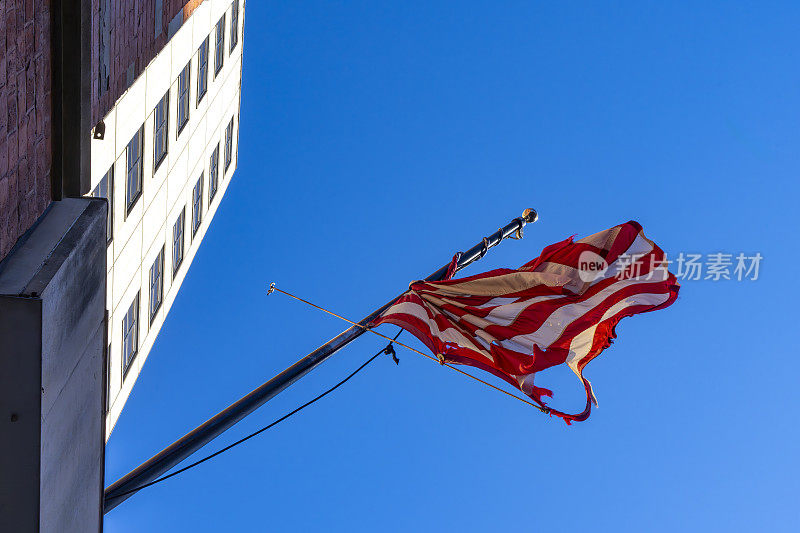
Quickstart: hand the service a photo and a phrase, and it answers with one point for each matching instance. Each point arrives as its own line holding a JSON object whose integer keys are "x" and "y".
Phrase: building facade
{"x": 135, "y": 102}
{"x": 163, "y": 155}
{"x": 25, "y": 117}
{"x": 52, "y": 274}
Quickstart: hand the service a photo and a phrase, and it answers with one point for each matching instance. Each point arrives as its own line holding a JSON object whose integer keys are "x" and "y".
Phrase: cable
{"x": 545, "y": 410}
{"x": 386, "y": 350}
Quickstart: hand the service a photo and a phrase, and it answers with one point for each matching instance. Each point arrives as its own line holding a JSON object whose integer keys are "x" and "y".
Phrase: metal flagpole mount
{"x": 179, "y": 450}
{"x": 529, "y": 216}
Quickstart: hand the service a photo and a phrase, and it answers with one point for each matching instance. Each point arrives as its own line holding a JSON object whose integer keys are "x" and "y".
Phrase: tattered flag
{"x": 560, "y": 308}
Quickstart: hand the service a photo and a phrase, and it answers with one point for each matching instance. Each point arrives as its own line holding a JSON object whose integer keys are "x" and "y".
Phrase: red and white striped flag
{"x": 562, "y": 307}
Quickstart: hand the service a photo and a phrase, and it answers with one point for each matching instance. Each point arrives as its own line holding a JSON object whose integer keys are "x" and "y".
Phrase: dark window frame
{"x": 158, "y": 15}
{"x": 178, "y": 233}
{"x": 130, "y": 201}
{"x": 219, "y": 46}
{"x": 159, "y": 262}
{"x": 127, "y": 330}
{"x": 108, "y": 179}
{"x": 174, "y": 25}
{"x": 197, "y": 204}
{"x": 234, "y": 25}
{"x": 104, "y": 46}
{"x": 228, "y": 144}
{"x": 183, "y": 97}
{"x": 160, "y": 131}
{"x": 202, "y": 71}
{"x": 107, "y": 379}
{"x": 213, "y": 175}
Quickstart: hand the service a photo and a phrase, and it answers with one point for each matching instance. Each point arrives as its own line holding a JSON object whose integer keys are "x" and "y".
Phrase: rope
{"x": 272, "y": 288}
{"x": 387, "y": 350}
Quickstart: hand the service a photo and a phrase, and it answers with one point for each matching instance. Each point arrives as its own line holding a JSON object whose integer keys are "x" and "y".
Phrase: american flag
{"x": 561, "y": 307}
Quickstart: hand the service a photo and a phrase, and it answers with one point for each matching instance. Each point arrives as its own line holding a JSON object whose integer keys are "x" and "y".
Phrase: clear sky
{"x": 377, "y": 139}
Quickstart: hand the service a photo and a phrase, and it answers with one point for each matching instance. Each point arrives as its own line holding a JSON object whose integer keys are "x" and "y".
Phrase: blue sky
{"x": 377, "y": 139}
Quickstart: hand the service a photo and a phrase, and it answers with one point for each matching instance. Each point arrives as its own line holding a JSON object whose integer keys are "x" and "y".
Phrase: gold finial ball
{"x": 530, "y": 215}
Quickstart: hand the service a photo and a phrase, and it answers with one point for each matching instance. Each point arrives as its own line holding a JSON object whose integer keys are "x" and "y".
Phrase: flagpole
{"x": 213, "y": 427}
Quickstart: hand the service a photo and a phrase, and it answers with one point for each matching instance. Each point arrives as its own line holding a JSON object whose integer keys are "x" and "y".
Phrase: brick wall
{"x": 25, "y": 111}
{"x": 25, "y": 98}
{"x": 132, "y": 41}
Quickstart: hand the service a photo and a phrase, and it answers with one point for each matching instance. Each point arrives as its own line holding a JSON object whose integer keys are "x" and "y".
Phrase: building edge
{"x": 52, "y": 322}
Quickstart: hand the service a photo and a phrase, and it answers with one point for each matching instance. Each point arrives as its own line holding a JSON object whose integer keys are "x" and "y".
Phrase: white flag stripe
{"x": 494, "y": 302}
{"x": 503, "y": 315}
{"x": 552, "y": 328}
{"x": 448, "y": 335}
{"x": 582, "y": 343}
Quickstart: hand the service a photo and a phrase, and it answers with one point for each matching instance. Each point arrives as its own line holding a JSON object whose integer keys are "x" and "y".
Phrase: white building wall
{"x": 138, "y": 236}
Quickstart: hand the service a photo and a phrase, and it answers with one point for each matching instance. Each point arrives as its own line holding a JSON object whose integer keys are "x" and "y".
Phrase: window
{"x": 177, "y": 242}
{"x": 202, "y": 71}
{"x": 156, "y": 284}
{"x": 130, "y": 335}
{"x": 197, "y": 205}
{"x": 133, "y": 184}
{"x": 174, "y": 24}
{"x": 130, "y": 74}
{"x": 213, "y": 173}
{"x": 234, "y": 24}
{"x": 107, "y": 379}
{"x": 105, "y": 189}
{"x": 159, "y": 15}
{"x": 219, "y": 45}
{"x": 228, "y": 144}
{"x": 183, "y": 97}
{"x": 104, "y": 46}
{"x": 160, "y": 131}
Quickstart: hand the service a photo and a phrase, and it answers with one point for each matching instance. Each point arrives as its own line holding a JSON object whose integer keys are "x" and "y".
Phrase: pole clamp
{"x": 486, "y": 245}
{"x": 517, "y": 235}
